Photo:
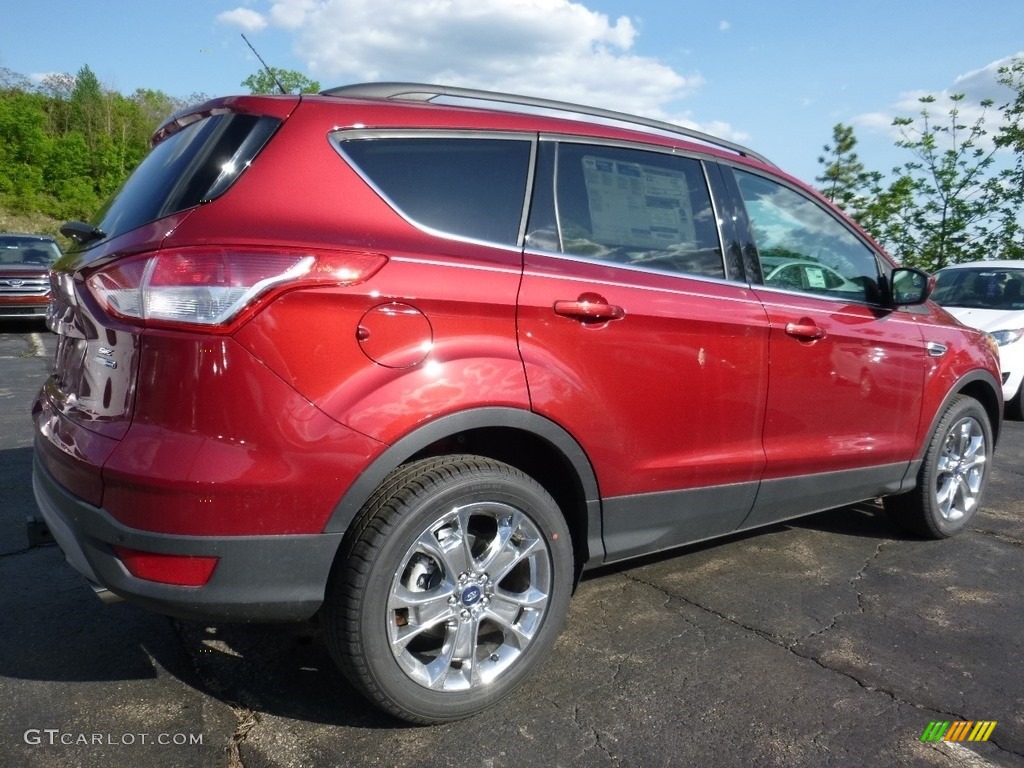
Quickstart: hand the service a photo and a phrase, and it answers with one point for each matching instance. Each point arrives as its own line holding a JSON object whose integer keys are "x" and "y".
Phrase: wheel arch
{"x": 980, "y": 386}
{"x": 987, "y": 392}
{"x": 533, "y": 444}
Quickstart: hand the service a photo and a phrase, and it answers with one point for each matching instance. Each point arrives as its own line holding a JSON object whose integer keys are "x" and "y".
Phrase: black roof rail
{"x": 426, "y": 92}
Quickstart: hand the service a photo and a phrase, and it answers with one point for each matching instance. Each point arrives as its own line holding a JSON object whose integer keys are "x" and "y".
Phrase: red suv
{"x": 411, "y": 358}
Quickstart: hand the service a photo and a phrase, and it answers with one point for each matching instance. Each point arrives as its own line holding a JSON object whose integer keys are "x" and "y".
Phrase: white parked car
{"x": 989, "y": 295}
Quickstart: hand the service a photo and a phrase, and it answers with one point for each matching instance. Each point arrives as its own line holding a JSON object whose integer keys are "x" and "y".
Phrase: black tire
{"x": 1015, "y": 405}
{"x": 452, "y": 585}
{"x": 951, "y": 481}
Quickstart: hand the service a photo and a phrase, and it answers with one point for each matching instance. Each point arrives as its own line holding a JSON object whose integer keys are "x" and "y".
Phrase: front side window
{"x": 464, "y": 186}
{"x": 626, "y": 206}
{"x": 803, "y": 247}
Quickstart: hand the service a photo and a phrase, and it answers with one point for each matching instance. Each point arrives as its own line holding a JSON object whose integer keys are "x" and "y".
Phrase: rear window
{"x": 470, "y": 187}
{"x": 192, "y": 166}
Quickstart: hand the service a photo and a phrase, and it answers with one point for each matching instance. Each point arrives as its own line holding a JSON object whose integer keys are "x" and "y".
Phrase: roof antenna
{"x": 269, "y": 70}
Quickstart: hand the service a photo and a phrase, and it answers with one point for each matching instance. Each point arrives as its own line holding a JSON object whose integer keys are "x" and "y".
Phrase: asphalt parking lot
{"x": 831, "y": 641}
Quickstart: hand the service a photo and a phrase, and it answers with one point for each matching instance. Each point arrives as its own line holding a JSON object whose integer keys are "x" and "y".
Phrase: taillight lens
{"x": 212, "y": 287}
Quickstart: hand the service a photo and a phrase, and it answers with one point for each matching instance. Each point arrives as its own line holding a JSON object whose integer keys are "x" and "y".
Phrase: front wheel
{"x": 951, "y": 481}
{"x": 451, "y": 588}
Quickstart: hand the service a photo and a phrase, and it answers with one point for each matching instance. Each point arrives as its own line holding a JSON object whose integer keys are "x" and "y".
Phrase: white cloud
{"x": 984, "y": 83}
{"x": 38, "y": 77}
{"x": 976, "y": 86}
{"x": 246, "y": 18}
{"x": 550, "y": 48}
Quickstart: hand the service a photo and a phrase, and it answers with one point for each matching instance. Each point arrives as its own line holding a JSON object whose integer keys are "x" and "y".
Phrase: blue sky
{"x": 774, "y": 75}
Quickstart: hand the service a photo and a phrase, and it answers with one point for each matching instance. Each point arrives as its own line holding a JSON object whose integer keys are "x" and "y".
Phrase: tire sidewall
{"x": 959, "y": 409}
{"x": 484, "y": 485}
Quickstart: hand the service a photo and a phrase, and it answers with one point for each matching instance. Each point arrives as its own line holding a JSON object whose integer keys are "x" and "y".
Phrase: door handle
{"x": 589, "y": 308}
{"x": 805, "y": 330}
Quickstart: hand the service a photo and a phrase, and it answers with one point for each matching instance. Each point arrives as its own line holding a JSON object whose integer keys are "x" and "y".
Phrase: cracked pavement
{"x": 829, "y": 641}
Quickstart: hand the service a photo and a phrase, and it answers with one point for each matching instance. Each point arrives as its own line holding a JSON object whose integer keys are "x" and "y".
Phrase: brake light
{"x": 181, "y": 570}
{"x": 213, "y": 287}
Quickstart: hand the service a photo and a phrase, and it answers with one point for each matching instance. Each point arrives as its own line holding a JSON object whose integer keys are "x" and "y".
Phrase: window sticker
{"x": 816, "y": 278}
{"x": 637, "y": 205}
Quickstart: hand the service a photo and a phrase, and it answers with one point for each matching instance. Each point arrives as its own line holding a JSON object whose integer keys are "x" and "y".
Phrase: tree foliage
{"x": 292, "y": 81}
{"x": 68, "y": 143}
{"x": 958, "y": 196}
{"x": 844, "y": 179}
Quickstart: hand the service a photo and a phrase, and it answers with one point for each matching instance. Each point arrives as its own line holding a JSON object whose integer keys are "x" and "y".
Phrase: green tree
{"x": 24, "y": 146}
{"x": 946, "y": 204}
{"x": 1011, "y": 139}
{"x": 293, "y": 82}
{"x": 87, "y": 105}
{"x": 844, "y": 180}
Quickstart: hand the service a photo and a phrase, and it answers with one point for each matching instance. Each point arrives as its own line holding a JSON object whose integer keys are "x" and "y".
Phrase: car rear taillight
{"x": 180, "y": 570}
{"x": 213, "y": 287}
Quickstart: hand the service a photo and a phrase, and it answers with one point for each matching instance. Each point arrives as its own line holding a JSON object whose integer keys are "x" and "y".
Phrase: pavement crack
{"x": 16, "y": 552}
{"x": 593, "y": 732}
{"x": 856, "y": 589}
{"x": 999, "y": 536}
{"x": 792, "y": 647}
{"x": 245, "y": 718}
{"x": 717, "y": 614}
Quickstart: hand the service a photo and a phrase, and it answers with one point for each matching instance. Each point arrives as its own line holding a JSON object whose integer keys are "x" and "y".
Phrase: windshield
{"x": 27, "y": 252}
{"x": 980, "y": 288}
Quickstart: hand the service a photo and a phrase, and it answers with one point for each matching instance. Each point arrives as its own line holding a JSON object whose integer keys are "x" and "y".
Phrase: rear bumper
{"x": 257, "y": 578}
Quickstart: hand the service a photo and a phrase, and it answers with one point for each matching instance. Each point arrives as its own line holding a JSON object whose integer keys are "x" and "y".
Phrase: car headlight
{"x": 1007, "y": 337}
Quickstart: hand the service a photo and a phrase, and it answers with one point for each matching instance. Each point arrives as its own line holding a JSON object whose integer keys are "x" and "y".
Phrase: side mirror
{"x": 910, "y": 286}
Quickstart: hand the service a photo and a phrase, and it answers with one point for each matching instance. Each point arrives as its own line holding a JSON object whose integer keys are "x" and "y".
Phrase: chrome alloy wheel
{"x": 960, "y": 469}
{"x": 469, "y": 596}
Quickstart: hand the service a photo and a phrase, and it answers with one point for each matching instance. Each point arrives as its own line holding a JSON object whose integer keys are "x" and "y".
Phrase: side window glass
{"x": 632, "y": 207}
{"x": 803, "y": 247}
{"x": 470, "y": 187}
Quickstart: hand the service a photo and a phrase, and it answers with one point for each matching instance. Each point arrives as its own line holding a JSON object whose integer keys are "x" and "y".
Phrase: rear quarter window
{"x": 469, "y": 187}
{"x": 192, "y": 166}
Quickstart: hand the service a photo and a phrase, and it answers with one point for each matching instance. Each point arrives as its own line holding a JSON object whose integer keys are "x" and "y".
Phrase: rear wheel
{"x": 951, "y": 481}
{"x": 452, "y": 587}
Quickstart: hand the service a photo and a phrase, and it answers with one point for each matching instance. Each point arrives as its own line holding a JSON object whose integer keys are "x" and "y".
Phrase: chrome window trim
{"x": 718, "y": 218}
{"x": 626, "y": 283}
{"x": 597, "y": 141}
{"x": 823, "y": 296}
{"x": 636, "y": 268}
{"x": 340, "y": 136}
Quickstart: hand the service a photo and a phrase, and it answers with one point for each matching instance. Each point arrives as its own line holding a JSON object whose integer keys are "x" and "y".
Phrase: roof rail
{"x": 426, "y": 92}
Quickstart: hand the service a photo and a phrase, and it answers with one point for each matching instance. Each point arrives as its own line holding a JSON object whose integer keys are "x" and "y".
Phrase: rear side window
{"x": 470, "y": 187}
{"x": 192, "y": 166}
{"x": 629, "y": 206}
